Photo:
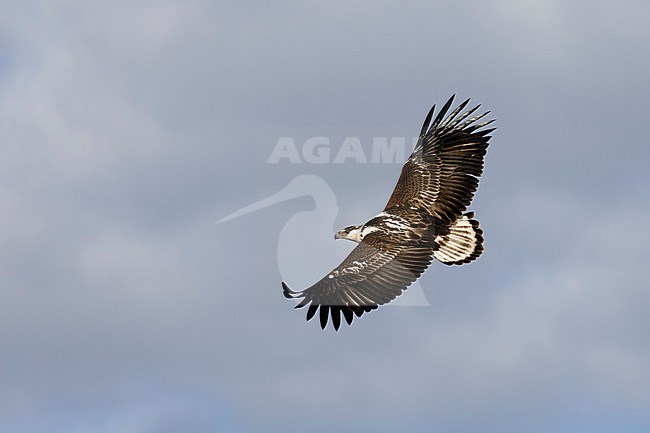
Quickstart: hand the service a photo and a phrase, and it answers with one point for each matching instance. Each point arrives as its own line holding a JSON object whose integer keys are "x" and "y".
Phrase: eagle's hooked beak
{"x": 338, "y": 235}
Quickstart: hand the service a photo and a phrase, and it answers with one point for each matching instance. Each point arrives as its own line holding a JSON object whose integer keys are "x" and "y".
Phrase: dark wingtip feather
{"x": 324, "y": 313}
{"x": 485, "y": 133}
{"x": 302, "y": 303}
{"x": 288, "y": 293}
{"x": 311, "y": 311}
{"x": 336, "y": 318}
{"x": 427, "y": 120}
{"x": 347, "y": 313}
{"x": 450, "y": 118}
{"x": 443, "y": 111}
{"x": 486, "y": 123}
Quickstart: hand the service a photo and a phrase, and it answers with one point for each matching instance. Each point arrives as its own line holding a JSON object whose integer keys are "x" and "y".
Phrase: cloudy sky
{"x": 130, "y": 128}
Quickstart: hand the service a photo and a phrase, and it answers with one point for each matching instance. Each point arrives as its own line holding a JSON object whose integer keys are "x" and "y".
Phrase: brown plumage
{"x": 424, "y": 219}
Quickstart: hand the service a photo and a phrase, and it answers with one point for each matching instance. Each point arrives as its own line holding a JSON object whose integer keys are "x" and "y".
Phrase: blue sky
{"x": 129, "y": 129}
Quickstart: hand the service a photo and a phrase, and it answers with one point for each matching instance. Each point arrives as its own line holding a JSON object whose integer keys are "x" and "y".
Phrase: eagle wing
{"x": 442, "y": 173}
{"x": 373, "y": 274}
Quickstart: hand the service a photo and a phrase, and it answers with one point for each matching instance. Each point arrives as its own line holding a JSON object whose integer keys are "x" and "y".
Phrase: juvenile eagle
{"x": 425, "y": 218}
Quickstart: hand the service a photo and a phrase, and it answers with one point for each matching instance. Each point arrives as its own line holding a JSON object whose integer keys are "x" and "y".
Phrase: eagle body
{"x": 425, "y": 219}
{"x": 393, "y": 225}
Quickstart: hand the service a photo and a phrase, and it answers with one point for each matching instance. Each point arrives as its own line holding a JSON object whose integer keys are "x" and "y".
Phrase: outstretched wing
{"x": 373, "y": 274}
{"x": 442, "y": 173}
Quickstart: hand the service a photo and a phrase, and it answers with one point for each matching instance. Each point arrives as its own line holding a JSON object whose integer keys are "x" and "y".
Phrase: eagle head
{"x": 352, "y": 233}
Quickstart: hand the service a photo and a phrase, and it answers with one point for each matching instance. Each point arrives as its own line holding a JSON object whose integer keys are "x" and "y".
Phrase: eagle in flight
{"x": 425, "y": 218}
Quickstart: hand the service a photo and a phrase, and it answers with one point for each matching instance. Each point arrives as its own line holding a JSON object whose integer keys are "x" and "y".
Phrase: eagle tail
{"x": 462, "y": 244}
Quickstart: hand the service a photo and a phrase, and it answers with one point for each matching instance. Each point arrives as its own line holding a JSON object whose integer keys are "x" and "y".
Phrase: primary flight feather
{"x": 425, "y": 218}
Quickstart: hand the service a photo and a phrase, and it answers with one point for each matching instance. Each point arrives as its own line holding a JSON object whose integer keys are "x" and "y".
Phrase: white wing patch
{"x": 367, "y": 230}
{"x": 394, "y": 222}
